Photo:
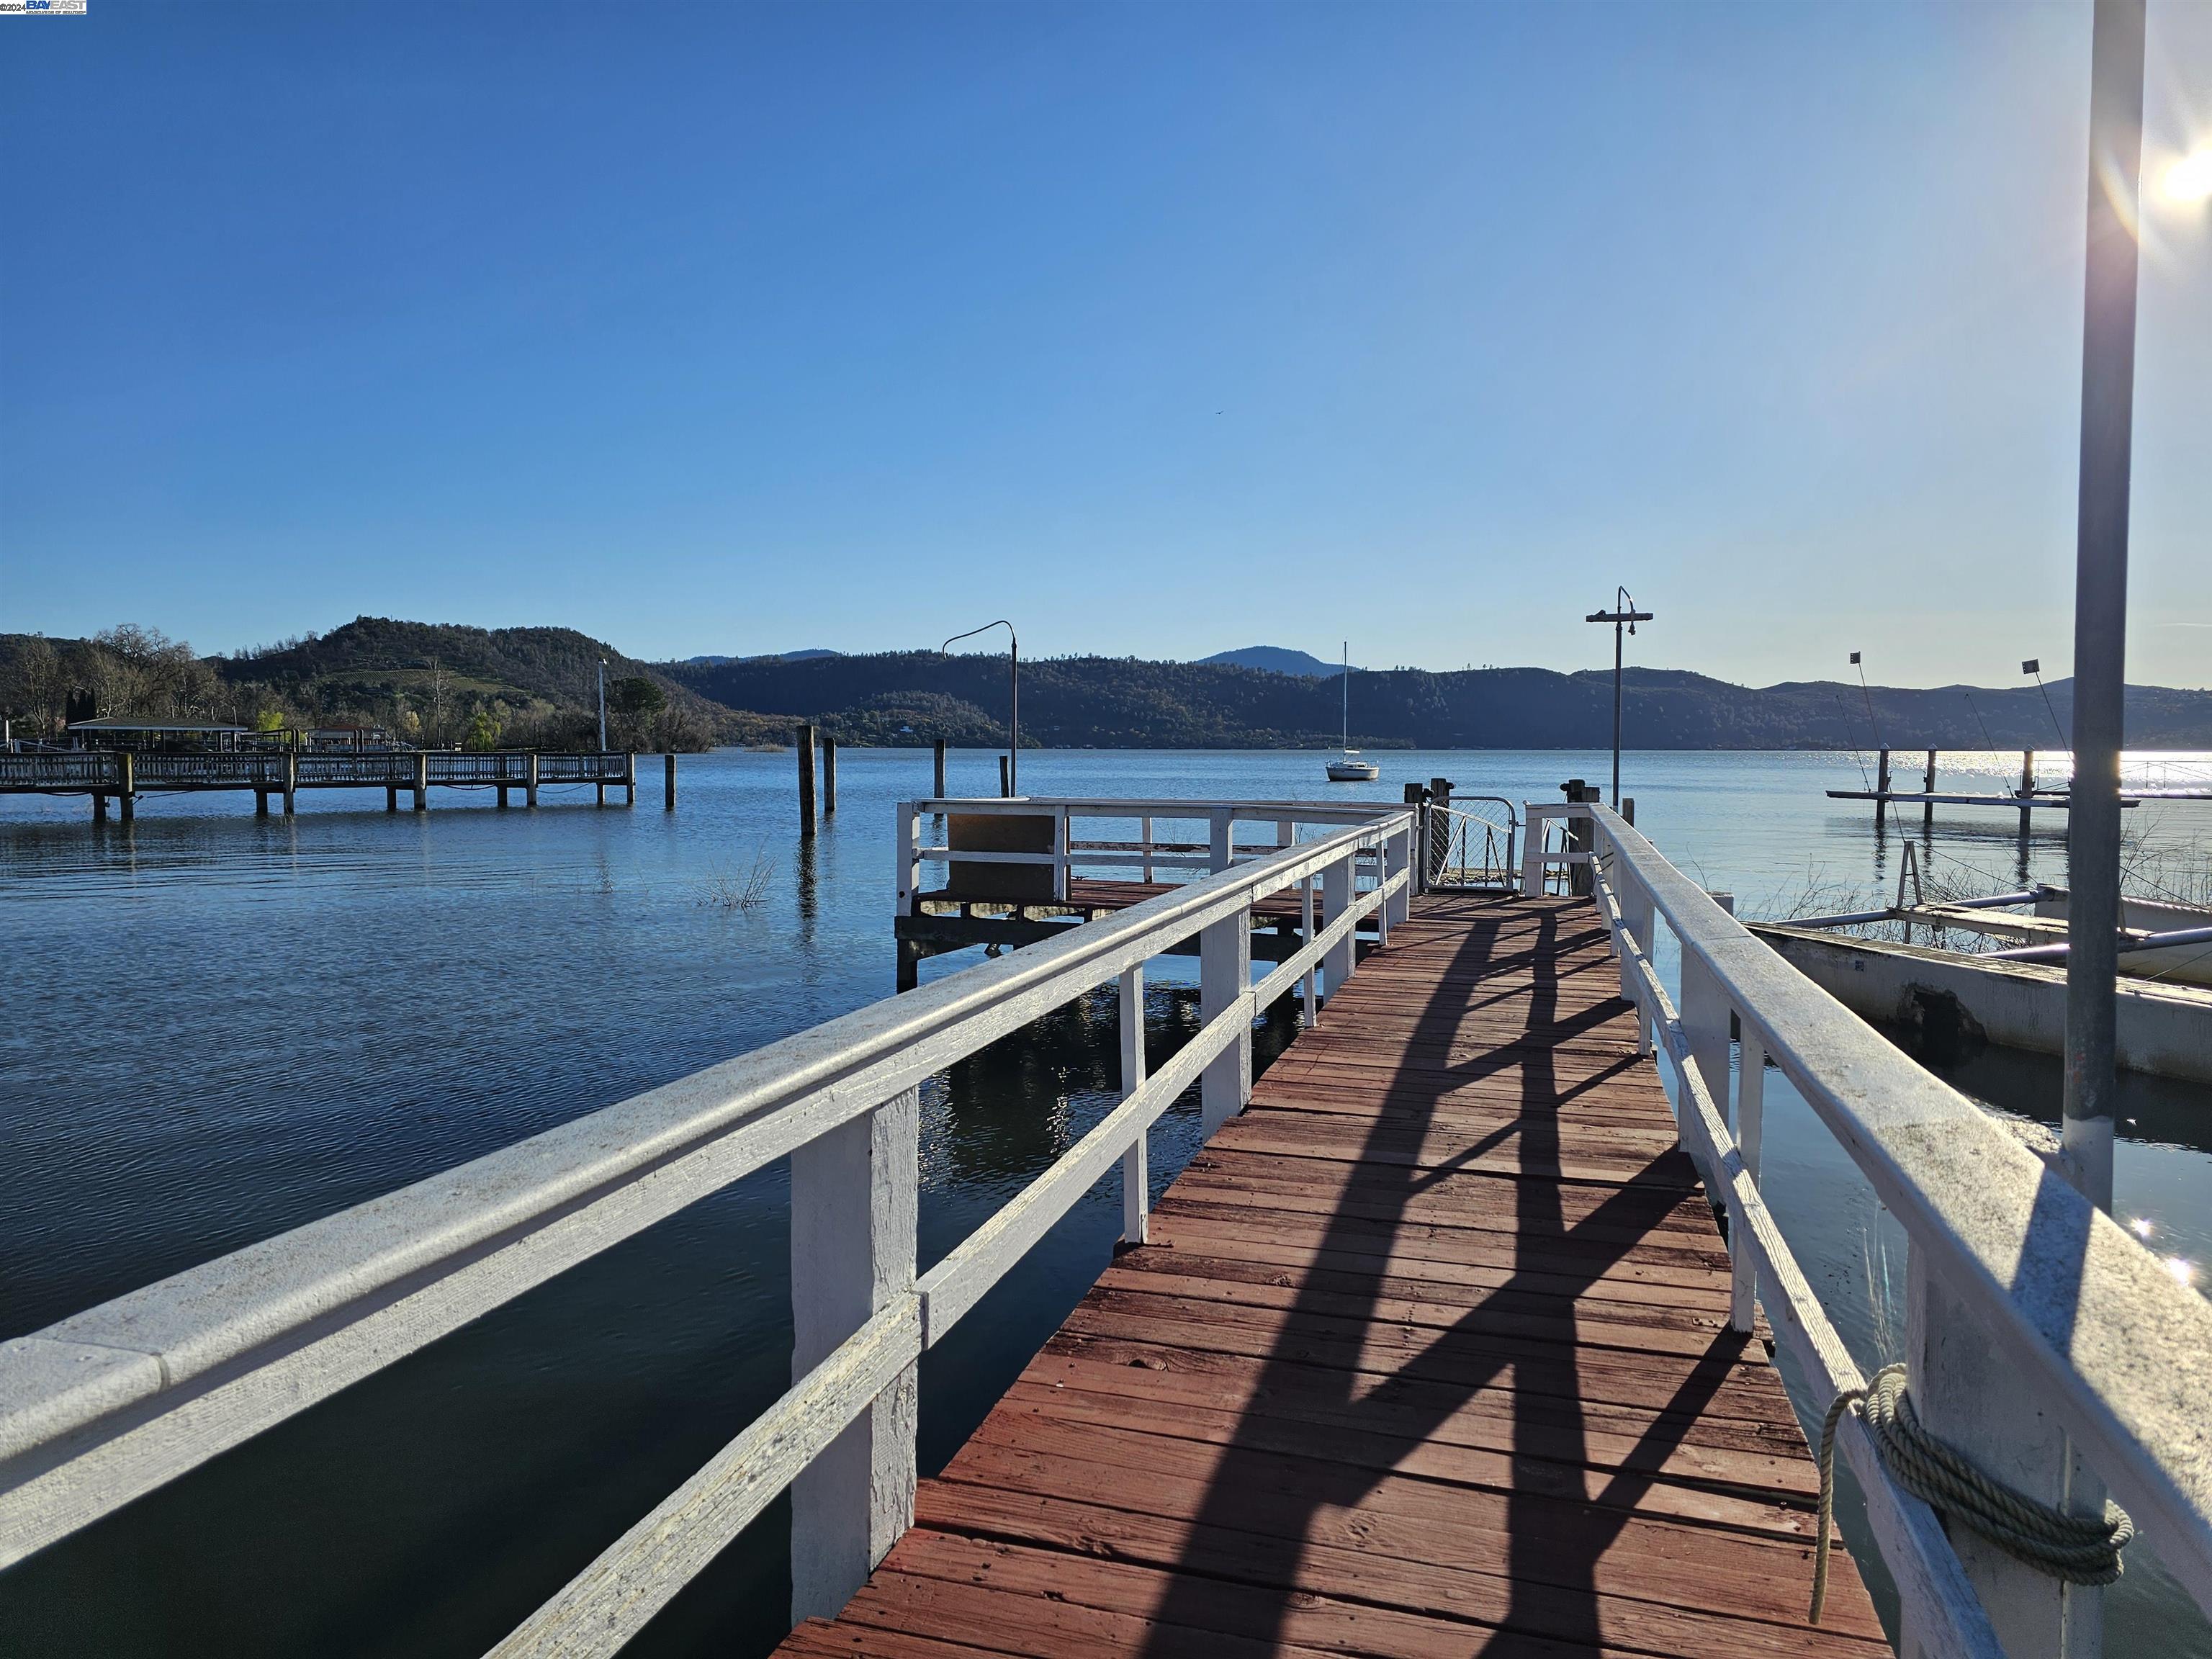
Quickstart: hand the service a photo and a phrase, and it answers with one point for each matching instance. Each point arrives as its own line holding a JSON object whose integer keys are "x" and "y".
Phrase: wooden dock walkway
{"x": 1427, "y": 1354}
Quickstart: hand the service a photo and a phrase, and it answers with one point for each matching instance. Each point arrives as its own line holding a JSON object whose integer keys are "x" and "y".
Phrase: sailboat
{"x": 1351, "y": 768}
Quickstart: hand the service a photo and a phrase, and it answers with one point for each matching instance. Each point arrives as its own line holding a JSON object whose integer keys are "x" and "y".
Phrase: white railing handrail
{"x": 2099, "y": 1332}
{"x": 109, "y": 1403}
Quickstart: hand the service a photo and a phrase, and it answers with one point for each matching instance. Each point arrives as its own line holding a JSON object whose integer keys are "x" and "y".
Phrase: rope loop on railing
{"x": 2077, "y": 1548}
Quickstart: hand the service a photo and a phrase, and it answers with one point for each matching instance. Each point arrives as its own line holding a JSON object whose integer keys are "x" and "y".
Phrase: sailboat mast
{"x": 1345, "y": 735}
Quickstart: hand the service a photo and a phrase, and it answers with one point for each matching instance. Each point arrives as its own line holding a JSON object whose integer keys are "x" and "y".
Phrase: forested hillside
{"x": 1117, "y": 702}
{"x": 536, "y": 687}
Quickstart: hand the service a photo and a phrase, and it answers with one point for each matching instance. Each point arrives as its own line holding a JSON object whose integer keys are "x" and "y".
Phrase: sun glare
{"x": 2189, "y": 179}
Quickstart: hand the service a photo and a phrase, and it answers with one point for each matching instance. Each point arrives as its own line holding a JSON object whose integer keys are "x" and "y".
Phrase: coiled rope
{"x": 2078, "y": 1548}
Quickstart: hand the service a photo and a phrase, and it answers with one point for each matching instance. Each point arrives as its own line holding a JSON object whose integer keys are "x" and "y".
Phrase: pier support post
{"x": 803, "y": 742}
{"x": 261, "y": 803}
{"x": 530, "y": 780}
{"x": 1136, "y": 1175}
{"x": 2027, "y": 786}
{"x": 1005, "y": 780}
{"x": 668, "y": 782}
{"x": 828, "y": 776}
{"x": 853, "y": 1203}
{"x": 1225, "y": 973}
{"x": 390, "y": 798}
{"x": 910, "y": 953}
{"x": 599, "y": 794}
{"x": 1882, "y": 792}
{"x": 502, "y": 798}
{"x": 291, "y": 783}
{"x": 629, "y": 779}
{"x": 99, "y": 807}
{"x": 422, "y": 780}
{"x": 939, "y": 792}
{"x": 1928, "y": 787}
{"x": 128, "y": 800}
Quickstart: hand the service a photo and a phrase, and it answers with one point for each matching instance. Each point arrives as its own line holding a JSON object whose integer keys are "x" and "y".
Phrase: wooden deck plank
{"x": 1427, "y": 1354}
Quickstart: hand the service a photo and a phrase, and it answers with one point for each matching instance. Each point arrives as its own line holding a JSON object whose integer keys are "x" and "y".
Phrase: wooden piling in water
{"x": 128, "y": 800}
{"x": 668, "y": 782}
{"x": 291, "y": 783}
{"x": 1005, "y": 779}
{"x": 939, "y": 794}
{"x": 804, "y": 741}
{"x": 1928, "y": 787}
{"x": 1881, "y": 785}
{"x": 2027, "y": 785}
{"x": 828, "y": 776}
{"x": 530, "y": 780}
{"x": 422, "y": 780}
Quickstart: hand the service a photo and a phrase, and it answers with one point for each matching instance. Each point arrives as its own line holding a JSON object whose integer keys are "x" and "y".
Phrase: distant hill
{"x": 538, "y": 686}
{"x": 771, "y": 656}
{"x": 1125, "y": 703}
{"x": 1277, "y": 660}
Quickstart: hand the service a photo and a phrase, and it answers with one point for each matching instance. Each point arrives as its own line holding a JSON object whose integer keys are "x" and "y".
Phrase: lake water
{"x": 219, "y": 1027}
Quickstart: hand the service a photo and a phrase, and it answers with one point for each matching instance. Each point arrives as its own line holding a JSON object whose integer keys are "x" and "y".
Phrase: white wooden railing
{"x": 1144, "y": 840}
{"x": 2043, "y": 1342}
{"x": 110, "y": 1403}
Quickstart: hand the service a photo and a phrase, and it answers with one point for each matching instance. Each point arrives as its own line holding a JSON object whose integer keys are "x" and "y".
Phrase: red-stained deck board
{"x": 1427, "y": 1354}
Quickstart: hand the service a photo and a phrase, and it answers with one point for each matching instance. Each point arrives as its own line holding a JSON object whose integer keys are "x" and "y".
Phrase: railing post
{"x": 128, "y": 800}
{"x": 1750, "y": 1113}
{"x": 1636, "y": 921}
{"x": 1063, "y": 833}
{"x": 1145, "y": 834}
{"x": 853, "y": 1201}
{"x": 1136, "y": 1177}
{"x": 906, "y": 875}
{"x": 1397, "y": 855}
{"x": 1221, "y": 829}
{"x": 1969, "y": 1391}
{"x": 1532, "y": 855}
{"x": 1306, "y": 906}
{"x": 530, "y": 780}
{"x": 1705, "y": 1022}
{"x": 936, "y": 792}
{"x": 1335, "y": 901}
{"x": 1225, "y": 973}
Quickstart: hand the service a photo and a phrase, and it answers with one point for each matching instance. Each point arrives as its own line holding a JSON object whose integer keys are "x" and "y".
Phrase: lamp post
{"x": 2100, "y": 592}
{"x": 1013, "y": 697}
{"x": 603, "y": 705}
{"x": 1623, "y": 610}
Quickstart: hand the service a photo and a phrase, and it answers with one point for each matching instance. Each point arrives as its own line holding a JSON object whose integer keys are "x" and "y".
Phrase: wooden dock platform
{"x": 1427, "y": 1354}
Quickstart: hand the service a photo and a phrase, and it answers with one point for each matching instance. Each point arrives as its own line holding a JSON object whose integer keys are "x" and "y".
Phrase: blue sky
{"x": 1164, "y": 329}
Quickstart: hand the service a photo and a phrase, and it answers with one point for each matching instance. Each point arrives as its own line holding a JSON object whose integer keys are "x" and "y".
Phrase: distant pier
{"x": 120, "y": 776}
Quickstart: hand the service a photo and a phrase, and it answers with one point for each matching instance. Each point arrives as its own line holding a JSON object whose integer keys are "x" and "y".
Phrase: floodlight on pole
{"x": 1014, "y": 698}
{"x": 1624, "y": 611}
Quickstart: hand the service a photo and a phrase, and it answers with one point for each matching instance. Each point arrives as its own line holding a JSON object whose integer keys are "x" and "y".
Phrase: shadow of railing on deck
{"x": 1256, "y": 1528}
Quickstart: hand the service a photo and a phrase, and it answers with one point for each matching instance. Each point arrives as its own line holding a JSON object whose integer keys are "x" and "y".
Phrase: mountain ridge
{"x": 538, "y": 686}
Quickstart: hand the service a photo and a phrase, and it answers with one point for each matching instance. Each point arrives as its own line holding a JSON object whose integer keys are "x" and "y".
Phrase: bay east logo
{"x": 26, "y": 8}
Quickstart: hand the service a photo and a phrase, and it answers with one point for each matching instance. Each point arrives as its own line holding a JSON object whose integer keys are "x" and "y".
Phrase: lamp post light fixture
{"x": 1624, "y": 611}
{"x": 603, "y": 705}
{"x": 1013, "y": 697}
